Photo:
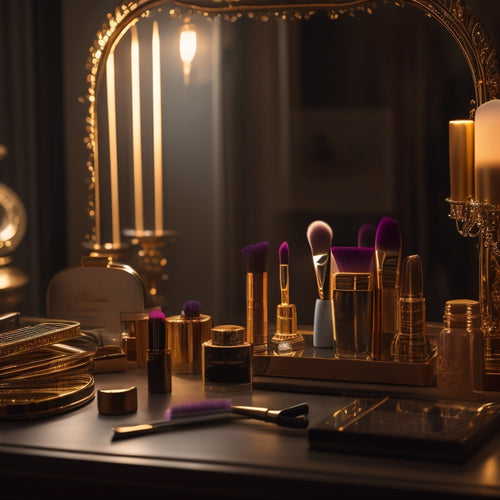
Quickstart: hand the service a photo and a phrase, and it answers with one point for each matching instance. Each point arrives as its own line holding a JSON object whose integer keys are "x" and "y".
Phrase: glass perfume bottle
{"x": 460, "y": 349}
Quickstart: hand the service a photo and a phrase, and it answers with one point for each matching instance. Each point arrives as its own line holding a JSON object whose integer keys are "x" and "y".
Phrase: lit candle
{"x": 461, "y": 146}
{"x": 136, "y": 131}
{"x": 158, "y": 177}
{"x": 487, "y": 152}
{"x": 113, "y": 154}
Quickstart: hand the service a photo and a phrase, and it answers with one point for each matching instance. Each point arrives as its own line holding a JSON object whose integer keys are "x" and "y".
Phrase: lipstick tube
{"x": 256, "y": 312}
{"x": 352, "y": 314}
{"x": 159, "y": 360}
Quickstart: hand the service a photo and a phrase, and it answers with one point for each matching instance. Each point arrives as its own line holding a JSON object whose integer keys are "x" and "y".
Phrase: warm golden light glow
{"x": 157, "y": 129}
{"x": 113, "y": 150}
{"x": 136, "y": 130}
{"x": 487, "y": 152}
{"x": 187, "y": 49}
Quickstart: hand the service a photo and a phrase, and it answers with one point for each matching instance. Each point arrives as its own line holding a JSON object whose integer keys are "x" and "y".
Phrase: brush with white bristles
{"x": 319, "y": 235}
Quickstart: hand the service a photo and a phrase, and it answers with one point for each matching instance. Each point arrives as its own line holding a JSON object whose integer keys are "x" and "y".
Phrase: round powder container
{"x": 227, "y": 359}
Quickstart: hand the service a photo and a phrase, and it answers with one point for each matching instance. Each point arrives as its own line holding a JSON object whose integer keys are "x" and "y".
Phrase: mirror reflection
{"x": 281, "y": 123}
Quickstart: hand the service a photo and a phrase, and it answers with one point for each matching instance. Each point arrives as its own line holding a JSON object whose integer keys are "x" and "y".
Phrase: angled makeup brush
{"x": 353, "y": 259}
{"x": 366, "y": 235}
{"x": 319, "y": 235}
{"x": 388, "y": 264}
{"x": 284, "y": 254}
{"x": 255, "y": 257}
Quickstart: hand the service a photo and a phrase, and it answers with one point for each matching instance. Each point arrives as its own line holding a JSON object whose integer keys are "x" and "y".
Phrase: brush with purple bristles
{"x": 191, "y": 309}
{"x": 198, "y": 412}
{"x": 353, "y": 259}
{"x": 255, "y": 257}
{"x": 388, "y": 263}
{"x": 319, "y": 235}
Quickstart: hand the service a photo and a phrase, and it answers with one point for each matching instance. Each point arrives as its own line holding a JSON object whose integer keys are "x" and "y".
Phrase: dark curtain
{"x": 31, "y": 126}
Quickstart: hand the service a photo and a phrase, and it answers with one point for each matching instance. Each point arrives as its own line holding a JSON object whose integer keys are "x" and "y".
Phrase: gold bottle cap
{"x": 117, "y": 401}
{"x": 228, "y": 335}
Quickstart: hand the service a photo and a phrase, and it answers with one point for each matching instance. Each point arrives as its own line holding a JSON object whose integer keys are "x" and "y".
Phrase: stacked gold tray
{"x": 45, "y": 368}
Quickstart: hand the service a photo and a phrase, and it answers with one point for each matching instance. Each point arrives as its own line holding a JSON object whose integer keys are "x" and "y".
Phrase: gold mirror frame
{"x": 455, "y": 15}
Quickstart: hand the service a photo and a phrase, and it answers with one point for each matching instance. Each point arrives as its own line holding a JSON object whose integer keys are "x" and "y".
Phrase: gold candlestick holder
{"x": 476, "y": 219}
{"x": 151, "y": 262}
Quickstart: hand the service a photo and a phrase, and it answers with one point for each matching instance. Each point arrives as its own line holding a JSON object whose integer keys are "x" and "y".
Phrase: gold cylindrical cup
{"x": 185, "y": 337}
{"x": 256, "y": 311}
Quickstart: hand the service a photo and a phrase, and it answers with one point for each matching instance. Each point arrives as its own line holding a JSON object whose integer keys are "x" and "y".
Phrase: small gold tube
{"x": 256, "y": 311}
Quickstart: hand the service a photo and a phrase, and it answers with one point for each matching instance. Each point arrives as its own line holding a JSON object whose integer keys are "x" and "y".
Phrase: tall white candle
{"x": 113, "y": 154}
{"x": 157, "y": 132}
{"x": 487, "y": 152}
{"x": 136, "y": 131}
{"x": 461, "y": 149}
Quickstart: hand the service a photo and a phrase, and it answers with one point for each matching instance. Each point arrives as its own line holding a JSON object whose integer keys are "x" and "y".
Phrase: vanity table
{"x": 71, "y": 455}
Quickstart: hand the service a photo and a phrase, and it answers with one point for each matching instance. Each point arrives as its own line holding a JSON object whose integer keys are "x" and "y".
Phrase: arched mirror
{"x": 292, "y": 112}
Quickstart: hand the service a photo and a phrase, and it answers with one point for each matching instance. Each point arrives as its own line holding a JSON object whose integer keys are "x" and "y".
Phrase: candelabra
{"x": 476, "y": 219}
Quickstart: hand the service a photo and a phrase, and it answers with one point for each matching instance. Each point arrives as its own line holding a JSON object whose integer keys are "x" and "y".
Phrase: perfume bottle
{"x": 460, "y": 349}
{"x": 227, "y": 359}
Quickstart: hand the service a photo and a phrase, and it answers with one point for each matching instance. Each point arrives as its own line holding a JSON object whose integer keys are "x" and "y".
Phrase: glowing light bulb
{"x": 187, "y": 49}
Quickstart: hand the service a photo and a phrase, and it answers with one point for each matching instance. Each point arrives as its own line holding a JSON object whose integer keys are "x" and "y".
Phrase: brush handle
{"x": 285, "y": 284}
{"x": 323, "y": 323}
{"x": 256, "y": 311}
{"x": 128, "y": 431}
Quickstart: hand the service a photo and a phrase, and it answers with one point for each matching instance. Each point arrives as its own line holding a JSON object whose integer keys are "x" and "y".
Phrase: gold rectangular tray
{"x": 319, "y": 364}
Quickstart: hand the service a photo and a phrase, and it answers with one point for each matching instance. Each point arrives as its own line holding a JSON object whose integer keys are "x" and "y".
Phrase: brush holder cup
{"x": 474, "y": 219}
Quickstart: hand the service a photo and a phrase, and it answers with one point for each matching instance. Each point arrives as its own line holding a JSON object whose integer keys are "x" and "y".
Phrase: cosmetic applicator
{"x": 197, "y": 412}
{"x": 388, "y": 263}
{"x": 320, "y": 234}
{"x": 286, "y": 340}
{"x": 255, "y": 257}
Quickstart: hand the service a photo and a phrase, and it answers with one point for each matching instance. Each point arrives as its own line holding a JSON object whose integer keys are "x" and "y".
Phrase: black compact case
{"x": 438, "y": 430}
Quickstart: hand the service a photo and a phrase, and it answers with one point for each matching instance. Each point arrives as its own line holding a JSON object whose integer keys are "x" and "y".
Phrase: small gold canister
{"x": 186, "y": 332}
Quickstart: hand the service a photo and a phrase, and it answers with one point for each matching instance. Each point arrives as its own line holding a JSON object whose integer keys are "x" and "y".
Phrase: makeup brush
{"x": 366, "y": 235}
{"x": 191, "y": 309}
{"x": 284, "y": 254}
{"x": 255, "y": 257}
{"x": 353, "y": 259}
{"x": 197, "y": 412}
{"x": 319, "y": 235}
{"x": 286, "y": 339}
{"x": 388, "y": 264}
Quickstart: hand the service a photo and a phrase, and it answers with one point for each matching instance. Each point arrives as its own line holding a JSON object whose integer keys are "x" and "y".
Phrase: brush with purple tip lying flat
{"x": 319, "y": 235}
{"x": 388, "y": 264}
{"x": 197, "y": 412}
{"x": 255, "y": 257}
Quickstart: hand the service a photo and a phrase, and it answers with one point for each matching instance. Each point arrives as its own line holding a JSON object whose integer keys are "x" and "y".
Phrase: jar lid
{"x": 228, "y": 335}
{"x": 117, "y": 401}
{"x": 462, "y": 307}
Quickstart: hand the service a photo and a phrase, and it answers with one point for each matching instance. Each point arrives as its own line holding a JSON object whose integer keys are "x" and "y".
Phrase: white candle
{"x": 487, "y": 152}
{"x": 136, "y": 130}
{"x": 157, "y": 132}
{"x": 461, "y": 149}
{"x": 113, "y": 154}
